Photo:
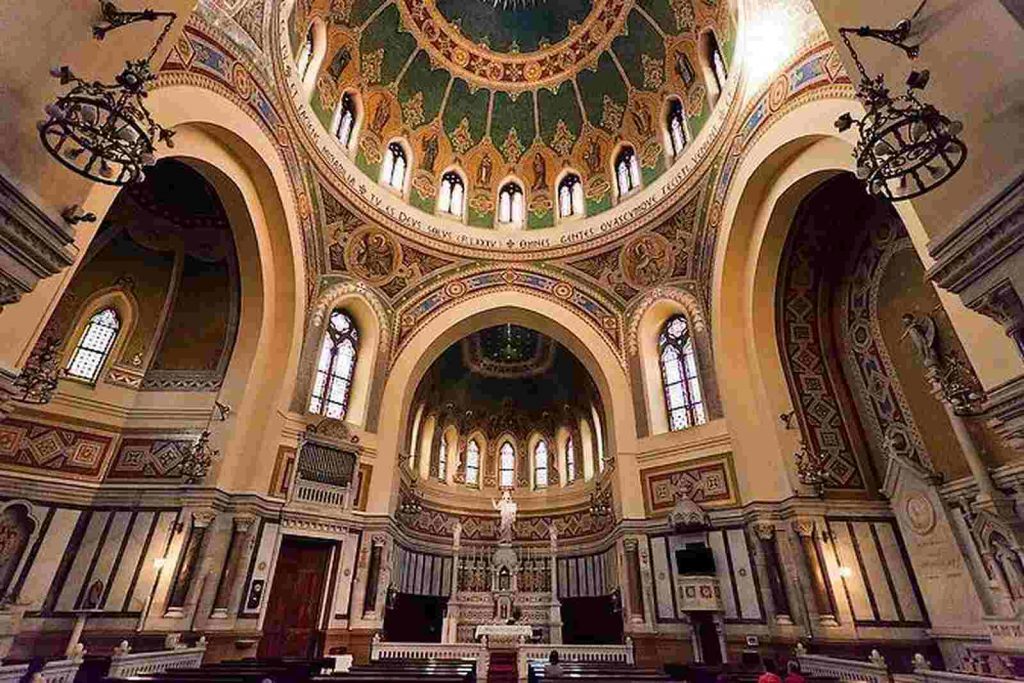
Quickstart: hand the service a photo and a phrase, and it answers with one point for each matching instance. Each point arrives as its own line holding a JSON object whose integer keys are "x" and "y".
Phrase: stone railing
{"x": 469, "y": 651}
{"x": 874, "y": 670}
{"x": 57, "y": 671}
{"x": 319, "y": 494}
{"x": 125, "y": 663}
{"x": 539, "y": 652}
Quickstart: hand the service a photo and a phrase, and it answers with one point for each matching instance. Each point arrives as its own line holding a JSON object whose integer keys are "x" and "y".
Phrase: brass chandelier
{"x": 103, "y": 131}
{"x": 907, "y": 147}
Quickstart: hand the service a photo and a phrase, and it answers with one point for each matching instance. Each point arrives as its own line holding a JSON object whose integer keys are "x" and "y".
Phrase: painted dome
{"x": 539, "y": 93}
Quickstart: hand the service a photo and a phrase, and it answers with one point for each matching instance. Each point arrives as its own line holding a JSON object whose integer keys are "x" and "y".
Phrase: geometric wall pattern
{"x": 709, "y": 481}
{"x": 30, "y": 445}
{"x": 148, "y": 459}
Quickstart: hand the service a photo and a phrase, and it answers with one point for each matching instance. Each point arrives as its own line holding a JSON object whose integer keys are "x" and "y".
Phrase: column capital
{"x": 803, "y": 527}
{"x": 763, "y": 530}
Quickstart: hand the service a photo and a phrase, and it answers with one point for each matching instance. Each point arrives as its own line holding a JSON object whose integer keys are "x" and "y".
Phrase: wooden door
{"x": 291, "y": 627}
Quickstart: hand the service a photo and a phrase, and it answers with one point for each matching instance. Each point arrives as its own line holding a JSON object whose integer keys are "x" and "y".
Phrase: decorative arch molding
{"x": 371, "y": 315}
{"x": 580, "y": 301}
{"x": 646, "y": 319}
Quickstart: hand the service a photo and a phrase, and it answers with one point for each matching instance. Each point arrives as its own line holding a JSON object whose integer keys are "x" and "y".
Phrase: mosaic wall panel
{"x": 41, "y": 447}
{"x": 709, "y": 481}
{"x": 439, "y": 523}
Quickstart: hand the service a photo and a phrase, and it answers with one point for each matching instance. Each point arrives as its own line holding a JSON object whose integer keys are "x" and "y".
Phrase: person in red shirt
{"x": 793, "y": 674}
{"x": 769, "y": 675}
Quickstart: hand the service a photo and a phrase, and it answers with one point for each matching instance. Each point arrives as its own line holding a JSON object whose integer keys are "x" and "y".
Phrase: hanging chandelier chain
{"x": 170, "y": 16}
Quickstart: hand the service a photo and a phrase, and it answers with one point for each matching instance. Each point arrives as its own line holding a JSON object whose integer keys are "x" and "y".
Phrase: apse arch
{"x": 507, "y": 306}
{"x": 244, "y": 165}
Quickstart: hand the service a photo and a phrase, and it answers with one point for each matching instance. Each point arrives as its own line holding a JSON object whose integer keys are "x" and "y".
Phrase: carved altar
{"x": 503, "y": 592}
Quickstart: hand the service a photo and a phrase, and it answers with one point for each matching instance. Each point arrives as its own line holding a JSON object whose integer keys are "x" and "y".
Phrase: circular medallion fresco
{"x": 647, "y": 260}
{"x": 373, "y": 254}
{"x": 920, "y": 514}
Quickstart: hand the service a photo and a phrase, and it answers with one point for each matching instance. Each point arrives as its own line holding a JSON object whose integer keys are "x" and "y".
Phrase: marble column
{"x": 815, "y": 572}
{"x": 189, "y": 565}
{"x": 770, "y": 560}
{"x": 229, "y": 576}
{"x": 634, "y": 582}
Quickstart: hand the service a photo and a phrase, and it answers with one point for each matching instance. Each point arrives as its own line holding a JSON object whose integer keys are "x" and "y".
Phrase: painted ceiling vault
{"x": 519, "y": 89}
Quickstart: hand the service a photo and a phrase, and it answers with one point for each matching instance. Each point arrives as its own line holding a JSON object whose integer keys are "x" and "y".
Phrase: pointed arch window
{"x": 507, "y": 465}
{"x": 570, "y": 196}
{"x": 627, "y": 171}
{"x": 570, "y": 460}
{"x": 714, "y": 65}
{"x": 395, "y": 165}
{"x": 676, "y": 127}
{"x": 453, "y": 194}
{"x": 335, "y": 367}
{"x": 442, "y": 458}
{"x": 683, "y": 398}
{"x": 473, "y": 463}
{"x": 346, "y": 119}
{"x": 540, "y": 464}
{"x": 305, "y": 58}
{"x": 511, "y": 203}
{"x": 94, "y": 345}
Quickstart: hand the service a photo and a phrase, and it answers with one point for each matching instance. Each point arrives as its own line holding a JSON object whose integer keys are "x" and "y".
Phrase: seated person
{"x": 552, "y": 669}
{"x": 769, "y": 675}
{"x": 794, "y": 675}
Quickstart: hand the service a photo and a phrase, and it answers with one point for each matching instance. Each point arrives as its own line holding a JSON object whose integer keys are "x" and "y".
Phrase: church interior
{"x": 509, "y": 340}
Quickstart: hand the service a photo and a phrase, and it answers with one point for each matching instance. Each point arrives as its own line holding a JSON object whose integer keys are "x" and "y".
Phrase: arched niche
{"x": 592, "y": 349}
{"x": 243, "y": 164}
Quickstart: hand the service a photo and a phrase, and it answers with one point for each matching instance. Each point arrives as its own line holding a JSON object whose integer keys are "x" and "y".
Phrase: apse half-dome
{"x": 515, "y": 91}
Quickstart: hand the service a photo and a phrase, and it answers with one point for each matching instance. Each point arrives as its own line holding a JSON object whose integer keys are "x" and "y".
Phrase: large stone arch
{"x": 504, "y": 305}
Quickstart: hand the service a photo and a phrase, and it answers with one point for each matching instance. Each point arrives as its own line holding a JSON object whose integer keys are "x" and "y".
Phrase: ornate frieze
{"x": 709, "y": 482}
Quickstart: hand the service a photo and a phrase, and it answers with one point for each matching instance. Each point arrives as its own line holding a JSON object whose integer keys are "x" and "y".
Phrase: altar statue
{"x": 507, "y": 508}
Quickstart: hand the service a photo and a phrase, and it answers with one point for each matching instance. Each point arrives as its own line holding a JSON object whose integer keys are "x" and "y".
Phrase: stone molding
{"x": 33, "y": 243}
{"x": 1004, "y": 408}
{"x": 982, "y": 242}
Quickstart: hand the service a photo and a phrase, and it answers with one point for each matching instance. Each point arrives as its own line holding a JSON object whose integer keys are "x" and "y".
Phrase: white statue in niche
{"x": 456, "y": 534}
{"x": 507, "y": 509}
{"x": 921, "y": 331}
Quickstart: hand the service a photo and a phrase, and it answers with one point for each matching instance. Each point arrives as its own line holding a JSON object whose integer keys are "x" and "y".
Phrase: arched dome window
{"x": 337, "y": 363}
{"x": 94, "y": 345}
{"x": 540, "y": 464}
{"x": 683, "y": 398}
{"x": 304, "y": 60}
{"x": 453, "y": 194}
{"x": 676, "y": 127}
{"x": 507, "y": 465}
{"x": 472, "y": 463}
{"x": 627, "y": 171}
{"x": 345, "y": 119}
{"x": 714, "y": 65}
{"x": 570, "y": 196}
{"x": 570, "y": 460}
{"x": 394, "y": 168}
{"x": 442, "y": 458}
{"x": 511, "y": 203}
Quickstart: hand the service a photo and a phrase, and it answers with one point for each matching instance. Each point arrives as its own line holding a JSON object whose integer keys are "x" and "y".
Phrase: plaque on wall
{"x": 255, "y": 594}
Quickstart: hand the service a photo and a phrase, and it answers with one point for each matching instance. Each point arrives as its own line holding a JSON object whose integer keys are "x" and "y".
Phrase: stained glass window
{"x": 507, "y": 470}
{"x": 510, "y": 204}
{"x": 395, "y": 164}
{"x": 305, "y": 58}
{"x": 676, "y": 127}
{"x": 453, "y": 193}
{"x": 94, "y": 345}
{"x": 540, "y": 464}
{"x": 346, "y": 119}
{"x": 627, "y": 171}
{"x": 570, "y": 460}
{"x": 683, "y": 397}
{"x": 570, "y": 196}
{"x": 473, "y": 463}
{"x": 337, "y": 362}
{"x": 442, "y": 458}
